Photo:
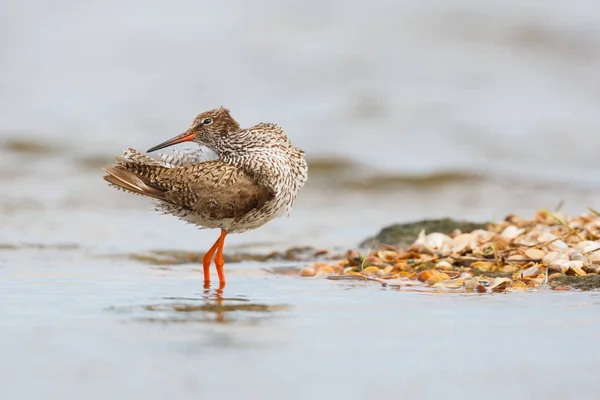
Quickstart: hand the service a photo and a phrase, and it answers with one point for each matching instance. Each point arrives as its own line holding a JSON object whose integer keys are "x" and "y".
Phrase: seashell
{"x": 337, "y": 268}
{"x": 426, "y": 258}
{"x": 530, "y": 272}
{"x": 512, "y": 267}
{"x": 480, "y": 289}
{"x": 577, "y": 256}
{"x": 500, "y": 285}
{"x": 427, "y": 274}
{"x": 308, "y": 271}
{"x": 347, "y": 270}
{"x": 530, "y": 282}
{"x": 388, "y": 269}
{"x": 471, "y": 284}
{"x": 372, "y": 260}
{"x": 437, "y": 240}
{"x": 554, "y": 255}
{"x": 482, "y": 236}
{"x": 558, "y": 245}
{"x": 577, "y": 263}
{"x": 535, "y": 253}
{"x": 455, "y": 233}
{"x": 464, "y": 239}
{"x": 455, "y": 284}
{"x": 325, "y": 270}
{"x": 439, "y": 277}
{"x": 516, "y": 258}
{"x": 421, "y": 239}
{"x": 587, "y": 246}
{"x": 485, "y": 266}
{"x": 500, "y": 242}
{"x": 594, "y": 257}
{"x": 591, "y": 269}
{"x": 459, "y": 248}
{"x": 519, "y": 286}
{"x": 529, "y": 240}
{"x": 387, "y": 256}
{"x": 515, "y": 219}
{"x": 546, "y": 236}
{"x": 438, "y": 285}
{"x": 575, "y": 271}
{"x": 576, "y": 224}
{"x": 445, "y": 265}
{"x": 511, "y": 232}
{"x": 370, "y": 270}
{"x": 401, "y": 266}
{"x": 560, "y": 264}
{"x": 593, "y": 228}
{"x": 421, "y": 245}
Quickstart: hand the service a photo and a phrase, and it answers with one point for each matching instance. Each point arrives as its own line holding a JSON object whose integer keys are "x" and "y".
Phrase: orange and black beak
{"x": 184, "y": 137}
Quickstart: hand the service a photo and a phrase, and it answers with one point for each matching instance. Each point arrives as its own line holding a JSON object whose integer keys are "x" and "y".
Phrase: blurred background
{"x": 406, "y": 109}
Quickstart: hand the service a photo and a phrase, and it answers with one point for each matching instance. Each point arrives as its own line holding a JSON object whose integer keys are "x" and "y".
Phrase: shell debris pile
{"x": 516, "y": 254}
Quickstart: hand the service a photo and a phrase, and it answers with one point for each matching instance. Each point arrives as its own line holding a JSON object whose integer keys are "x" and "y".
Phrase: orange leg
{"x": 219, "y": 257}
{"x": 206, "y": 261}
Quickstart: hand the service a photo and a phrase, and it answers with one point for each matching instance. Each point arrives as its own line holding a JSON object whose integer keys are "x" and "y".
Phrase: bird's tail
{"x": 136, "y": 173}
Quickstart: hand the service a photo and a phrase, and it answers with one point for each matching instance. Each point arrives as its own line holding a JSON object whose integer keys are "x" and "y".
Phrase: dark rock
{"x": 586, "y": 282}
{"x": 403, "y": 235}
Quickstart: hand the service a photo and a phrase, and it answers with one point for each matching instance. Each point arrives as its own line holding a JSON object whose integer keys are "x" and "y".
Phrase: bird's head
{"x": 206, "y": 129}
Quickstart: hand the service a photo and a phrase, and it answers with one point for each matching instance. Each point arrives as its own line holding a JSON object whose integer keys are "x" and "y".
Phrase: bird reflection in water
{"x": 210, "y": 306}
{"x": 215, "y": 295}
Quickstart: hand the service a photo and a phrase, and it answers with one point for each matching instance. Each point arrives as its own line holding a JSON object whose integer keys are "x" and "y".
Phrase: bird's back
{"x": 211, "y": 194}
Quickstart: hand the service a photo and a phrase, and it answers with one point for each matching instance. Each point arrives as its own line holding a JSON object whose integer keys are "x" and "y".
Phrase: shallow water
{"x": 89, "y": 329}
{"x": 406, "y": 110}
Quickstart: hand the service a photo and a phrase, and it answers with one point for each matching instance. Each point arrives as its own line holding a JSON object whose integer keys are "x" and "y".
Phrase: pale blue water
{"x": 73, "y": 332}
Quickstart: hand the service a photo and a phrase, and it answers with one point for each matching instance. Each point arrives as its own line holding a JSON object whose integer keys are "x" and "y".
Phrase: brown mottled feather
{"x": 129, "y": 181}
{"x": 214, "y": 190}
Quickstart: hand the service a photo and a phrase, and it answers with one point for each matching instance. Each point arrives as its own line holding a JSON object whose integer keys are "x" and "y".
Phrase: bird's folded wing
{"x": 216, "y": 189}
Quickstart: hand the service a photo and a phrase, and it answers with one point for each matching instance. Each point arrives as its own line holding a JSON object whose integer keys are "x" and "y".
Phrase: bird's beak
{"x": 184, "y": 137}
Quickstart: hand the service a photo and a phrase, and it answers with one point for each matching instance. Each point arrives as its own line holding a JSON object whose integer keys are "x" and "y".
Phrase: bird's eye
{"x": 207, "y": 121}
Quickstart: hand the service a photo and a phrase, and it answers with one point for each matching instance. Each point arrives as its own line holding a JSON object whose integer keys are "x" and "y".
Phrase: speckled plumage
{"x": 249, "y": 176}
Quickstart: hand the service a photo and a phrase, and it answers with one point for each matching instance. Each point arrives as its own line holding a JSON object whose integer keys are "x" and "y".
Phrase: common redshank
{"x": 253, "y": 179}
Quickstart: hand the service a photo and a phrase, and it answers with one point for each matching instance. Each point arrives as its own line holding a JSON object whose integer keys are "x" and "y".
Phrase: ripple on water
{"x": 212, "y": 307}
